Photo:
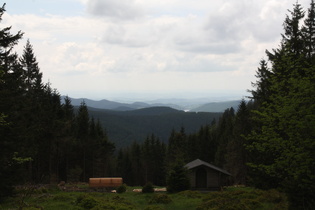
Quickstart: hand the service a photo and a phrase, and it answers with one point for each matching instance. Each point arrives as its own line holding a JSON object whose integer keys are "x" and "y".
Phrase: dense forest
{"x": 124, "y": 127}
{"x": 268, "y": 142}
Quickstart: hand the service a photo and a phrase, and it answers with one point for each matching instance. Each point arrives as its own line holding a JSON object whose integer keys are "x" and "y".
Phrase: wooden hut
{"x": 205, "y": 176}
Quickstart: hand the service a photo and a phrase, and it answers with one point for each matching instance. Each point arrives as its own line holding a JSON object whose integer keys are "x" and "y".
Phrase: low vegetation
{"x": 52, "y": 197}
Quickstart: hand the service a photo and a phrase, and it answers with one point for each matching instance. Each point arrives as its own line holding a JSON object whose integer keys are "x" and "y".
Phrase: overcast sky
{"x": 104, "y": 49}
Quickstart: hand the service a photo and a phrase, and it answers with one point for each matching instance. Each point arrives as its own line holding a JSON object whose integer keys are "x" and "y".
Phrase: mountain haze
{"x": 192, "y": 105}
{"x": 217, "y": 106}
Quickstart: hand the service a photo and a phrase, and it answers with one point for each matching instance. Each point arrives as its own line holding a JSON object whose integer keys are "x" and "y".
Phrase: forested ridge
{"x": 268, "y": 142}
{"x": 124, "y": 127}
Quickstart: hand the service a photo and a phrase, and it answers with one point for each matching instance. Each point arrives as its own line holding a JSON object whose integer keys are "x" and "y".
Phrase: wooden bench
{"x": 105, "y": 182}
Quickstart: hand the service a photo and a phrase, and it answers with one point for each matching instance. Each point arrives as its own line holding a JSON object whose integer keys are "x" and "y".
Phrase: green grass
{"x": 230, "y": 198}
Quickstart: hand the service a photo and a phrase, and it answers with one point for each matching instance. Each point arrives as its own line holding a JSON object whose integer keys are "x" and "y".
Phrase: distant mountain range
{"x": 193, "y": 105}
{"x": 128, "y": 122}
{"x": 216, "y": 106}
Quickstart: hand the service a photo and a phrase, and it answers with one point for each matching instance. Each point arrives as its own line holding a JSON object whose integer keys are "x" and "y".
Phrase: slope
{"x": 124, "y": 127}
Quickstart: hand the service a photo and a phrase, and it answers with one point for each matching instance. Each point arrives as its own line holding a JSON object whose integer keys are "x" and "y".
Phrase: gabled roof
{"x": 197, "y": 162}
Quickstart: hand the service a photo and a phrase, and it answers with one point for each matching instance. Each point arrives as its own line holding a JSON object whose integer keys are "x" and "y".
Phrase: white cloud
{"x": 122, "y": 9}
{"x": 156, "y": 45}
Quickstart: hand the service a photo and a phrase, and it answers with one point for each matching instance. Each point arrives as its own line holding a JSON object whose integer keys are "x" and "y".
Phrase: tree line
{"x": 269, "y": 142}
{"x": 42, "y": 139}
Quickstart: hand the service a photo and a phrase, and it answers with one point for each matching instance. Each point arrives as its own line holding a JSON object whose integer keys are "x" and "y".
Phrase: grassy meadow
{"x": 80, "y": 197}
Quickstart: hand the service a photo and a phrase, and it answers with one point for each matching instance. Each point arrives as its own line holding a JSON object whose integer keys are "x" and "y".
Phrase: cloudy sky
{"x": 149, "y": 48}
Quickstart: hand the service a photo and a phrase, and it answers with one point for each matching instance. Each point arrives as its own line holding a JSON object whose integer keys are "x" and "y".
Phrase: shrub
{"x": 148, "y": 188}
{"x": 85, "y": 201}
{"x": 122, "y": 188}
{"x": 62, "y": 197}
{"x": 153, "y": 208}
{"x": 113, "y": 206}
{"x": 191, "y": 194}
{"x": 160, "y": 198}
{"x": 244, "y": 199}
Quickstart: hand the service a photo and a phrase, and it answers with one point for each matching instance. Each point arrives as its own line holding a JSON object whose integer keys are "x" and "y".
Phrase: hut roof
{"x": 198, "y": 162}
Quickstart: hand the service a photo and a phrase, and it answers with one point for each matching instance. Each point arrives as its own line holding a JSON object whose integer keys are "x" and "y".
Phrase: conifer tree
{"x": 293, "y": 37}
{"x": 83, "y": 137}
{"x": 224, "y": 134}
{"x": 308, "y": 31}
{"x": 11, "y": 92}
{"x": 177, "y": 178}
{"x": 33, "y": 76}
{"x": 282, "y": 147}
{"x": 236, "y": 156}
{"x": 262, "y": 86}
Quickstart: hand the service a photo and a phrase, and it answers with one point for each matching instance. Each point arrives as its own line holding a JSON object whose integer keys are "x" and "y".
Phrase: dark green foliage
{"x": 177, "y": 178}
{"x": 180, "y": 201}
{"x": 224, "y": 134}
{"x": 153, "y": 208}
{"x": 35, "y": 126}
{"x": 11, "y": 91}
{"x": 281, "y": 144}
{"x": 160, "y": 199}
{"x": 262, "y": 91}
{"x": 74, "y": 174}
{"x": 125, "y": 127}
{"x": 203, "y": 144}
{"x": 236, "y": 156}
{"x": 143, "y": 163}
{"x": 148, "y": 188}
{"x": 86, "y": 201}
{"x": 177, "y": 145}
{"x": 308, "y": 31}
{"x": 244, "y": 199}
{"x": 122, "y": 188}
{"x": 191, "y": 194}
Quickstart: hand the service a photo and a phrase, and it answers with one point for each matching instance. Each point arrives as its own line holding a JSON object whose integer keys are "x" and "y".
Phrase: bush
{"x": 191, "y": 194}
{"x": 160, "y": 198}
{"x": 62, "y": 197}
{"x": 153, "y": 208}
{"x": 148, "y": 188}
{"x": 244, "y": 199}
{"x": 85, "y": 201}
{"x": 122, "y": 188}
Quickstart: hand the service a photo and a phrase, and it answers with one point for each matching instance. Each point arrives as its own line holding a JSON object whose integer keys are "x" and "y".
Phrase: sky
{"x": 110, "y": 49}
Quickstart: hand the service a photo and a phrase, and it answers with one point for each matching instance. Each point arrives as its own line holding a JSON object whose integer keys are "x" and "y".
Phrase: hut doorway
{"x": 201, "y": 178}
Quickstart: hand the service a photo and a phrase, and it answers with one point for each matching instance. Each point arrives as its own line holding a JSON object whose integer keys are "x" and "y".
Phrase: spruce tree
{"x": 177, "y": 178}
{"x": 262, "y": 91}
{"x": 308, "y": 31}
{"x": 236, "y": 156}
{"x": 83, "y": 137}
{"x": 33, "y": 76}
{"x": 11, "y": 94}
{"x": 282, "y": 147}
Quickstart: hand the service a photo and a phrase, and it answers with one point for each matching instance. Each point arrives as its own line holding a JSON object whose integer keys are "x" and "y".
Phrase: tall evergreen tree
{"x": 236, "y": 156}
{"x": 293, "y": 37}
{"x": 11, "y": 93}
{"x": 262, "y": 86}
{"x": 33, "y": 76}
{"x": 83, "y": 137}
{"x": 224, "y": 132}
{"x": 282, "y": 147}
{"x": 308, "y": 31}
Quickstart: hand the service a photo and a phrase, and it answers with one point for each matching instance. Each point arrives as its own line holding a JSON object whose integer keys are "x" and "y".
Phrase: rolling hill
{"x": 192, "y": 105}
{"x": 124, "y": 127}
{"x": 217, "y": 106}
